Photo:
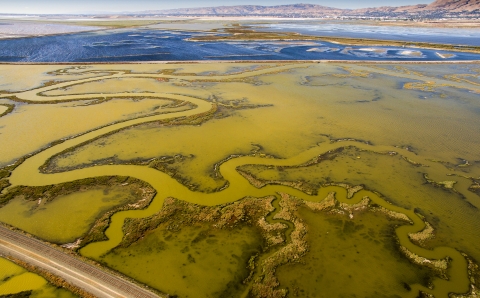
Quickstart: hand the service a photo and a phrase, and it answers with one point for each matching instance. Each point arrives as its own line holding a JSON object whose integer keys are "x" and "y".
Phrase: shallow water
{"x": 72, "y": 117}
{"x": 455, "y": 220}
{"x": 399, "y": 119}
{"x": 191, "y": 261}
{"x": 13, "y": 78}
{"x": 294, "y": 112}
{"x": 149, "y": 44}
{"x": 78, "y": 213}
{"x": 462, "y": 36}
{"x": 358, "y": 252}
{"x": 14, "y": 279}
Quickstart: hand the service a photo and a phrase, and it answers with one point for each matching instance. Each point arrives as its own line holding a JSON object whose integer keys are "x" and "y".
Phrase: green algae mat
{"x": 250, "y": 179}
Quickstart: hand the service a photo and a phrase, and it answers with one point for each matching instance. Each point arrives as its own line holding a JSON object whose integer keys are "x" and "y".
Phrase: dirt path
{"x": 87, "y": 277}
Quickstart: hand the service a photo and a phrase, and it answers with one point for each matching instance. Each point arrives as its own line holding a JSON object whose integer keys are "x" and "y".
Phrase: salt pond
{"x": 401, "y": 135}
{"x": 16, "y": 280}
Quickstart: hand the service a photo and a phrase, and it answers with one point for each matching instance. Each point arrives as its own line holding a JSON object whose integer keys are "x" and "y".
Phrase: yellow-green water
{"x": 13, "y": 77}
{"x": 301, "y": 104}
{"x": 358, "y": 252}
{"x": 191, "y": 261}
{"x": 78, "y": 213}
{"x": 75, "y": 118}
{"x": 397, "y": 117}
{"x": 14, "y": 279}
{"x": 454, "y": 218}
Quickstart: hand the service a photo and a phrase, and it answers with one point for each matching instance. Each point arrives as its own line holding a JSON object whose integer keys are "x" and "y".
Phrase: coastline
{"x": 247, "y": 34}
{"x": 249, "y": 61}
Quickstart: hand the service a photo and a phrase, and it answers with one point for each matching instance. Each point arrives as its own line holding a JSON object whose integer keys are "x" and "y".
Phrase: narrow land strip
{"x": 87, "y": 277}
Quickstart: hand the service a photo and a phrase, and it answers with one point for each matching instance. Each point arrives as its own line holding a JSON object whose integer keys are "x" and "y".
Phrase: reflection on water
{"x": 463, "y": 36}
{"x": 158, "y": 45}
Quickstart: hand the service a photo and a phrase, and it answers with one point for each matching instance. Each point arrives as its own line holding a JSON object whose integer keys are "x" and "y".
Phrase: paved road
{"x": 93, "y": 280}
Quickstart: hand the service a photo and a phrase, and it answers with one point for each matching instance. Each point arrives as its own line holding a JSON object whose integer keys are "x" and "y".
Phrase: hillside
{"x": 257, "y": 10}
{"x": 437, "y": 9}
{"x": 455, "y": 5}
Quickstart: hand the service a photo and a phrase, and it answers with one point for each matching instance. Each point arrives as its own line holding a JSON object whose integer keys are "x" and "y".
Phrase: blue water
{"x": 155, "y": 45}
{"x": 459, "y": 36}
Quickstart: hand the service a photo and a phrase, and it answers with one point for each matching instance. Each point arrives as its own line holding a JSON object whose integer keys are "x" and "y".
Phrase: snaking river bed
{"x": 250, "y": 179}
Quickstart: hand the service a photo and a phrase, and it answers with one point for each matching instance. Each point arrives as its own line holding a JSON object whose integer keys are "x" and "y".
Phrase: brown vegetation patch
{"x": 51, "y": 192}
{"x": 176, "y": 213}
{"x": 449, "y": 184}
{"x": 9, "y": 109}
{"x": 266, "y": 284}
{"x": 439, "y": 266}
{"x": 50, "y": 165}
{"x": 249, "y": 172}
{"x": 278, "y": 248}
{"x": 424, "y": 235}
{"x": 475, "y": 187}
{"x": 142, "y": 194}
{"x": 423, "y": 86}
{"x": 247, "y": 34}
{"x": 259, "y": 183}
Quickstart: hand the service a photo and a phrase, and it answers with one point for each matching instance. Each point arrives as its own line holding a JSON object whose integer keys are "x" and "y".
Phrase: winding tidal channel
{"x": 28, "y": 173}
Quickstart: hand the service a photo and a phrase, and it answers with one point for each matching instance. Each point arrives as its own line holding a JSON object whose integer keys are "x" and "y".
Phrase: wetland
{"x": 250, "y": 179}
{"x": 193, "y": 40}
{"x": 18, "y": 281}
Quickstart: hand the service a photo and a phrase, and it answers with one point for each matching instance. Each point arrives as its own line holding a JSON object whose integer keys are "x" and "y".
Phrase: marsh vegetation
{"x": 246, "y": 176}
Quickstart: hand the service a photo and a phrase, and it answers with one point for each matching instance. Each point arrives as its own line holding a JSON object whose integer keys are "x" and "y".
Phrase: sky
{"x": 82, "y": 6}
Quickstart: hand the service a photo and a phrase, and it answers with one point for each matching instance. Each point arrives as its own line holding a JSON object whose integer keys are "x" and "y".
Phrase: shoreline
{"x": 251, "y": 61}
{"x": 249, "y": 34}
{"x": 53, "y": 34}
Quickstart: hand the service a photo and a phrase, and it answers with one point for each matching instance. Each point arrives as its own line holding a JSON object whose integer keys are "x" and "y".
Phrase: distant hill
{"x": 455, "y": 5}
{"x": 439, "y": 8}
{"x": 256, "y": 10}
